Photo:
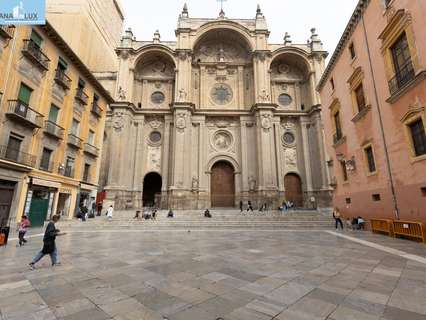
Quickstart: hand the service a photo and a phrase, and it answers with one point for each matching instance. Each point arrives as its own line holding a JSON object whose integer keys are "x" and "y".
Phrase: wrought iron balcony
{"x": 69, "y": 172}
{"x": 33, "y": 52}
{"x": 81, "y": 96}
{"x": 53, "y": 129}
{"x": 402, "y": 77}
{"x": 74, "y": 141}
{"x": 96, "y": 110}
{"x": 62, "y": 79}
{"x": 337, "y": 137}
{"x": 91, "y": 149}
{"x": 7, "y": 31}
{"x": 17, "y": 156}
{"x": 21, "y": 112}
{"x": 87, "y": 178}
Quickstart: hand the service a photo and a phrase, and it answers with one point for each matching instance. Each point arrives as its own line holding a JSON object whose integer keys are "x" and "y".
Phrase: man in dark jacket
{"x": 49, "y": 245}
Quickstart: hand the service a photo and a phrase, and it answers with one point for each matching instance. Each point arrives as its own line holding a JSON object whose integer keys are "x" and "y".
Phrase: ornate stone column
{"x": 138, "y": 160}
{"x": 304, "y": 123}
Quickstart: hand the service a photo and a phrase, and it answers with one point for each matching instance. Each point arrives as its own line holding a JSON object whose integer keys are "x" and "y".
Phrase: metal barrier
{"x": 409, "y": 229}
{"x": 382, "y": 226}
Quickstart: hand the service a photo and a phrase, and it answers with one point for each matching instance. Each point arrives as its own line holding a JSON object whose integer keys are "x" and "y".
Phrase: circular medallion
{"x": 289, "y": 138}
{"x": 155, "y": 137}
{"x": 284, "y": 99}
{"x": 283, "y": 68}
{"x": 157, "y": 97}
{"x": 221, "y": 93}
{"x": 222, "y": 140}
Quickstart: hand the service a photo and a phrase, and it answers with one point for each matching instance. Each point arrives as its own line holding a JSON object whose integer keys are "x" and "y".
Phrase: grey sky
{"x": 294, "y": 16}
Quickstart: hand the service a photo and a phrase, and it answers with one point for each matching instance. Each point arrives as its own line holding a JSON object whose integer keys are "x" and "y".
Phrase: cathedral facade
{"x": 216, "y": 117}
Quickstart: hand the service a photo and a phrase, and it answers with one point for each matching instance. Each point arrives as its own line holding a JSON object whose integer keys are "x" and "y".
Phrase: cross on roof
{"x": 221, "y": 4}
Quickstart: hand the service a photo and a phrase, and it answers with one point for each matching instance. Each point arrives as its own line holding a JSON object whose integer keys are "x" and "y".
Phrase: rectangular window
{"x": 95, "y": 98}
{"x": 36, "y": 38}
{"x": 81, "y": 83}
{"x": 91, "y": 138}
{"x": 348, "y": 200}
{"x": 376, "y": 197}
{"x": 24, "y": 94}
{"x": 45, "y": 159}
{"x": 69, "y": 167}
{"x": 13, "y": 147}
{"x": 86, "y": 173}
{"x": 352, "y": 51}
{"x": 404, "y": 71}
{"x": 62, "y": 64}
{"x": 332, "y": 83}
{"x": 75, "y": 127}
{"x": 370, "y": 159}
{"x": 423, "y": 190}
{"x": 53, "y": 113}
{"x": 338, "y": 126}
{"x": 344, "y": 170}
{"x": 418, "y": 137}
{"x": 360, "y": 98}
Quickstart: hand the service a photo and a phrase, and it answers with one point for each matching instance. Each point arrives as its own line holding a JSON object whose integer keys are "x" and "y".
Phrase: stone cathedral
{"x": 218, "y": 116}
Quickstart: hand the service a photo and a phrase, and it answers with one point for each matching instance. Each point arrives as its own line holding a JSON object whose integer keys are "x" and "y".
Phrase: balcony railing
{"x": 402, "y": 77}
{"x": 17, "y": 156}
{"x": 53, "y": 129}
{"x": 96, "y": 110}
{"x": 87, "y": 178}
{"x": 337, "y": 137}
{"x": 74, "y": 141}
{"x": 62, "y": 79}
{"x": 21, "y": 112}
{"x": 69, "y": 172}
{"x": 7, "y": 31}
{"x": 91, "y": 149}
{"x": 33, "y": 52}
{"x": 81, "y": 96}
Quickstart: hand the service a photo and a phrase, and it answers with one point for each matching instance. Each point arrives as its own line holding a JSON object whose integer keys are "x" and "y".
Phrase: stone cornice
{"x": 350, "y": 27}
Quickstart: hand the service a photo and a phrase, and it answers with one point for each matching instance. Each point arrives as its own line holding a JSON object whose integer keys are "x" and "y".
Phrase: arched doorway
{"x": 222, "y": 186}
{"x": 293, "y": 189}
{"x": 151, "y": 188}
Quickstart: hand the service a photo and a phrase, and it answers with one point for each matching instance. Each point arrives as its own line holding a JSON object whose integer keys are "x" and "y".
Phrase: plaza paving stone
{"x": 203, "y": 275}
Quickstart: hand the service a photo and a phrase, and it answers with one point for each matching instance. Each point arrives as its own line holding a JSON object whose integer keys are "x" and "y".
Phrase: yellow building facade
{"x": 52, "y": 120}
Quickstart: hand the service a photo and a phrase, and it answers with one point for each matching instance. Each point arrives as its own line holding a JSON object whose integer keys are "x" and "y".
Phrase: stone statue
{"x": 182, "y": 95}
{"x": 221, "y": 55}
{"x": 264, "y": 96}
{"x": 194, "y": 183}
{"x": 121, "y": 94}
{"x": 252, "y": 183}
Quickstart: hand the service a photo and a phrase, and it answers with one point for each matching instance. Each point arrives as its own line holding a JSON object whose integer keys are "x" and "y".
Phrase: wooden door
{"x": 222, "y": 185}
{"x": 6, "y": 196}
{"x": 293, "y": 189}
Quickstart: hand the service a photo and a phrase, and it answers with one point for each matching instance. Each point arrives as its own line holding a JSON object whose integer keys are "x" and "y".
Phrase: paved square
{"x": 203, "y": 275}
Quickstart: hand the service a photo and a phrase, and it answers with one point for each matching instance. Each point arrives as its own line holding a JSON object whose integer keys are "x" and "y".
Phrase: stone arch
{"x": 146, "y": 50}
{"x": 293, "y": 188}
{"x": 291, "y": 73}
{"x": 154, "y": 78}
{"x": 226, "y": 25}
{"x": 152, "y": 183}
{"x": 223, "y": 157}
{"x": 222, "y": 184}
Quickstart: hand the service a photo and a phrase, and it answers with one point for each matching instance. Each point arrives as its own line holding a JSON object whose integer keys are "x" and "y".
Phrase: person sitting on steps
{"x": 207, "y": 214}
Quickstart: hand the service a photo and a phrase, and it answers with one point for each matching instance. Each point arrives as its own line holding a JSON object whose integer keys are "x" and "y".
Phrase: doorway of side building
{"x": 151, "y": 189}
{"x": 6, "y": 196}
{"x": 39, "y": 207}
{"x": 222, "y": 186}
{"x": 293, "y": 189}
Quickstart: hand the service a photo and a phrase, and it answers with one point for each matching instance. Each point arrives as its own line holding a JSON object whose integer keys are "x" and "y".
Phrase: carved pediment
{"x": 413, "y": 110}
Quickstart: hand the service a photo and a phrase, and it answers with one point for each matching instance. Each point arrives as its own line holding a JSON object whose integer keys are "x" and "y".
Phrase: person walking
{"x": 337, "y": 218}
{"x": 241, "y": 206}
{"x": 49, "y": 244}
{"x": 110, "y": 211}
{"x": 249, "y": 206}
{"x": 22, "y": 229}
{"x": 99, "y": 209}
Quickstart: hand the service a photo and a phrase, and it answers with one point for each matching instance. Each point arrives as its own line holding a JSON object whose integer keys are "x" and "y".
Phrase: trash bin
{"x": 4, "y": 235}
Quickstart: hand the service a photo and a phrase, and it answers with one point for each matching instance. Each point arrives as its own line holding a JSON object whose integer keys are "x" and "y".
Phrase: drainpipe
{"x": 382, "y": 131}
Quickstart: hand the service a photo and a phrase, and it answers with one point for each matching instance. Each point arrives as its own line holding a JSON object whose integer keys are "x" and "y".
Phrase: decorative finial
{"x": 157, "y": 36}
{"x": 259, "y": 13}
{"x": 287, "y": 39}
{"x": 185, "y": 13}
{"x": 315, "y": 42}
{"x": 222, "y": 14}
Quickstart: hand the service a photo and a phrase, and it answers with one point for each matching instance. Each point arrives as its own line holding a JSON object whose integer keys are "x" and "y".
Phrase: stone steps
{"x": 194, "y": 219}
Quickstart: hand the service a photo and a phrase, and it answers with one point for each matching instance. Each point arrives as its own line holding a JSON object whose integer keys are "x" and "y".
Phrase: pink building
{"x": 374, "y": 98}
